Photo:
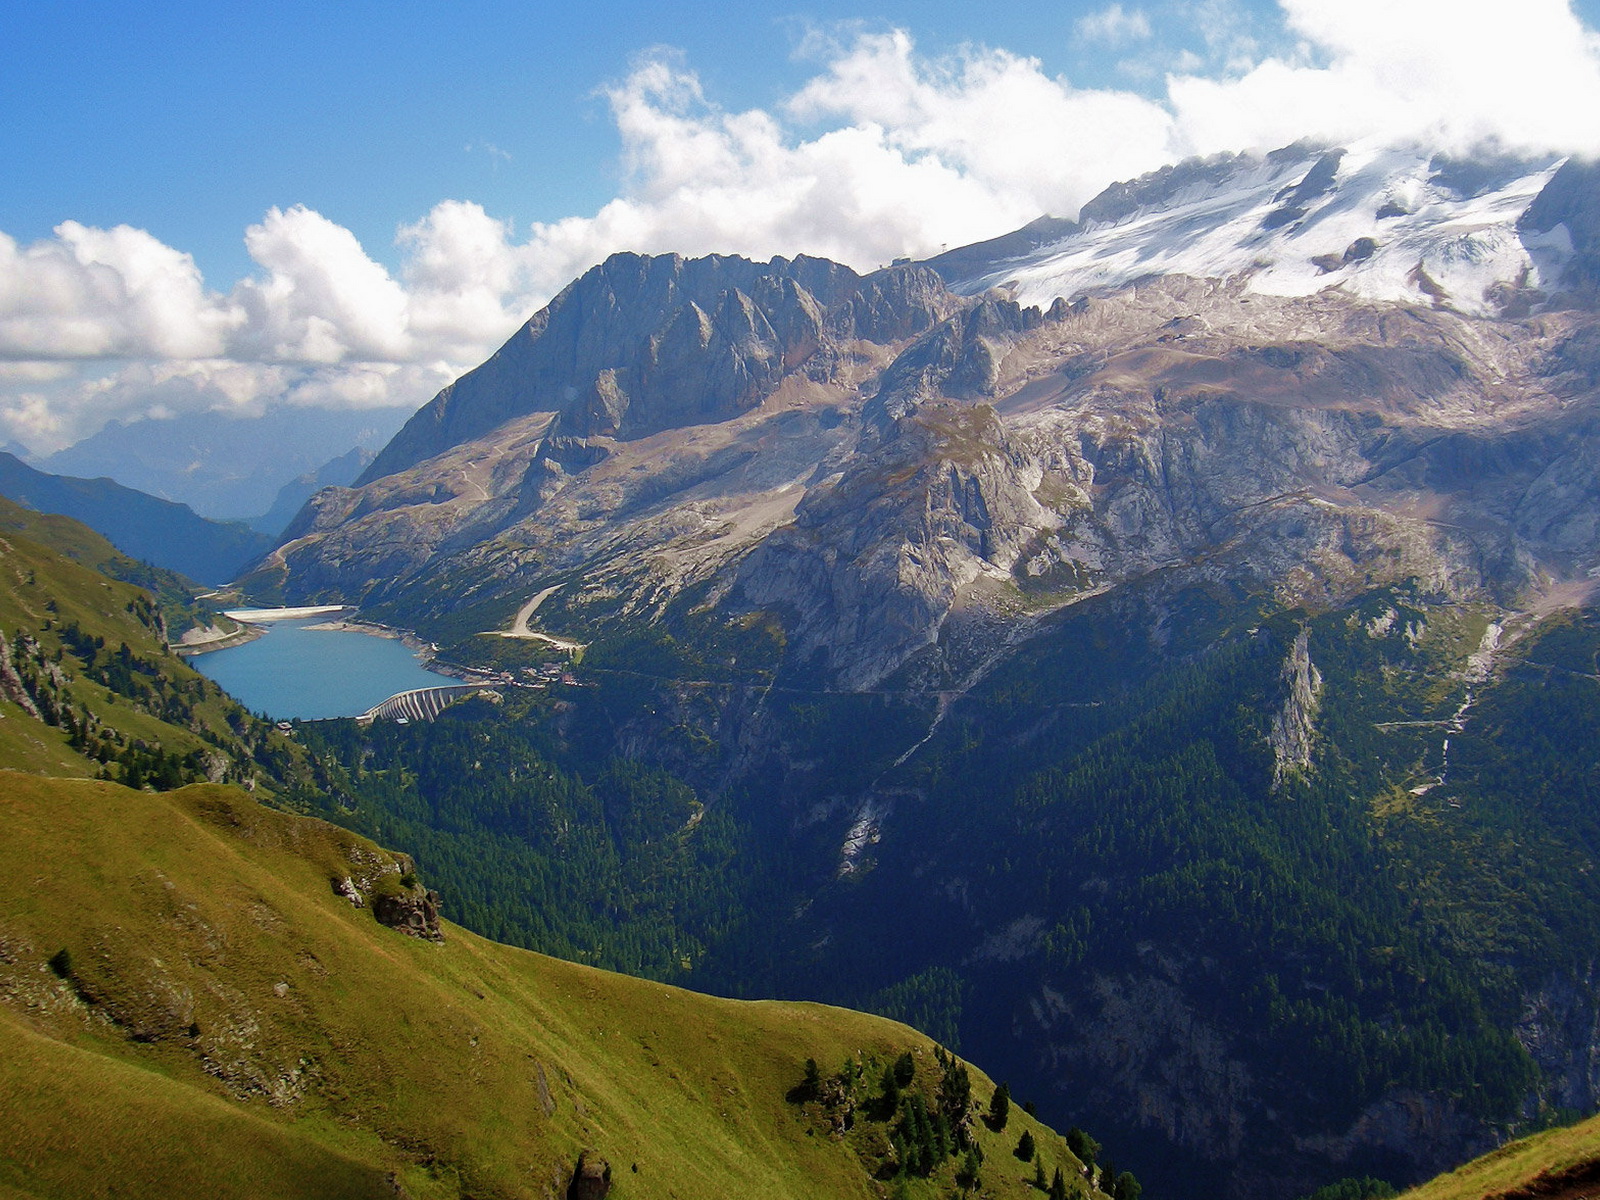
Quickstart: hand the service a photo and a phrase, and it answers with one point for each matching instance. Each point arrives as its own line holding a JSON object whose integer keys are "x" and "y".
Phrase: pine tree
{"x": 955, "y": 1096}
{"x": 1082, "y": 1146}
{"x": 969, "y": 1168}
{"x": 1024, "y": 1149}
{"x": 811, "y": 1085}
{"x": 1058, "y": 1186}
{"x": 1127, "y": 1187}
{"x": 1000, "y": 1108}
{"x": 905, "y": 1069}
{"x": 891, "y": 1094}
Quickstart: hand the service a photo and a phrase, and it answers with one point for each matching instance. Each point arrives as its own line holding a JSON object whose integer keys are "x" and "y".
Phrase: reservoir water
{"x": 298, "y": 671}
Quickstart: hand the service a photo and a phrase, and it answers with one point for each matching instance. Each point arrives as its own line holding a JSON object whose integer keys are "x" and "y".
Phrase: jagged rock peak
{"x": 642, "y": 343}
{"x": 1571, "y": 199}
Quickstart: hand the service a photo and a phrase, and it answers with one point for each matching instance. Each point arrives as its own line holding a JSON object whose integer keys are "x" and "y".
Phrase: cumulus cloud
{"x": 884, "y": 152}
{"x": 98, "y": 293}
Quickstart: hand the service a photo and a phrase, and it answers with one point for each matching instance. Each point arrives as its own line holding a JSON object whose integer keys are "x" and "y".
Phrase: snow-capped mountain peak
{"x": 1379, "y": 222}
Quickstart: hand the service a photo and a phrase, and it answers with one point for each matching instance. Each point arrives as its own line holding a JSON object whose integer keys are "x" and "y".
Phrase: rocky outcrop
{"x": 388, "y": 886}
{"x": 591, "y": 1179}
{"x": 1294, "y": 724}
{"x": 414, "y": 913}
{"x": 11, "y": 686}
{"x": 1572, "y": 199}
{"x": 1560, "y": 1029}
{"x": 1429, "y": 1134}
{"x": 1138, "y": 1045}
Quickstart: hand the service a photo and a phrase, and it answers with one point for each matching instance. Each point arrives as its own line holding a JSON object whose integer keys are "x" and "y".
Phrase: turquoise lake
{"x": 297, "y": 671}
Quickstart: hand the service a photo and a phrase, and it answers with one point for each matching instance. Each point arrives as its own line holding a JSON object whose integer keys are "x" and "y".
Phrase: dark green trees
{"x": 905, "y": 1069}
{"x": 1082, "y": 1145}
{"x": 891, "y": 1093}
{"x": 1000, "y": 1108}
{"x": 967, "y": 1176}
{"x": 955, "y": 1092}
{"x": 1024, "y": 1149}
{"x": 811, "y": 1084}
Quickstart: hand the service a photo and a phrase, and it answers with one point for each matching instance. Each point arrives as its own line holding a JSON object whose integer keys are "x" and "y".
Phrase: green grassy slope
{"x": 223, "y": 1023}
{"x": 173, "y": 594}
{"x": 88, "y": 686}
{"x": 1559, "y": 1164}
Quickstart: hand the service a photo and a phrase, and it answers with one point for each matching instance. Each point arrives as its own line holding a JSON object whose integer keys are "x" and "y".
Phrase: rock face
{"x": 1571, "y": 200}
{"x": 890, "y": 462}
{"x": 641, "y": 344}
{"x": 592, "y": 1178}
{"x": 893, "y": 502}
{"x": 414, "y": 915}
{"x": 1560, "y": 1026}
{"x": 1294, "y": 723}
{"x": 388, "y": 885}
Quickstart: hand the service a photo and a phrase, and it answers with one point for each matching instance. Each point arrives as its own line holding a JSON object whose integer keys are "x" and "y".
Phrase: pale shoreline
{"x": 216, "y": 639}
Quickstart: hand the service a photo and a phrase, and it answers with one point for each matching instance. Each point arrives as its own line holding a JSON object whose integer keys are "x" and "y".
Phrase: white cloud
{"x": 1450, "y": 73}
{"x": 884, "y": 152}
{"x": 323, "y": 300}
{"x": 95, "y": 293}
{"x": 1114, "y": 26}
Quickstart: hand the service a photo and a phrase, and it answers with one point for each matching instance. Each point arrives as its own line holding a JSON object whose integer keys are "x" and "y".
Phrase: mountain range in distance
{"x": 161, "y": 532}
{"x": 225, "y": 466}
{"x": 164, "y": 532}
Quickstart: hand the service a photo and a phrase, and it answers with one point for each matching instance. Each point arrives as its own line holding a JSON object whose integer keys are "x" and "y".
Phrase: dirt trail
{"x": 519, "y": 627}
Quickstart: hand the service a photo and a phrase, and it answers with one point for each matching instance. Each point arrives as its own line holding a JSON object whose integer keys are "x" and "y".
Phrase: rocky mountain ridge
{"x": 900, "y": 460}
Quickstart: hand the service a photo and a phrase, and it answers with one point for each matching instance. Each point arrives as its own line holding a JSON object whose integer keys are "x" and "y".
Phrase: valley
{"x": 1152, "y": 656}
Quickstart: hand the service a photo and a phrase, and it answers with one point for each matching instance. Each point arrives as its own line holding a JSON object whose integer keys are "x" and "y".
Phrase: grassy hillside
{"x": 1559, "y": 1164}
{"x": 191, "y": 1008}
{"x": 173, "y": 594}
{"x": 88, "y": 685}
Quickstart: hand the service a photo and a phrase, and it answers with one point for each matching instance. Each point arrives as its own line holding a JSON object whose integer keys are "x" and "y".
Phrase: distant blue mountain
{"x": 224, "y": 466}
{"x": 146, "y": 527}
{"x": 292, "y": 496}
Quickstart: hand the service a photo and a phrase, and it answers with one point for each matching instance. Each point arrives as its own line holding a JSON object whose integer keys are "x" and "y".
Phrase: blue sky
{"x": 191, "y": 120}
{"x": 239, "y": 207}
